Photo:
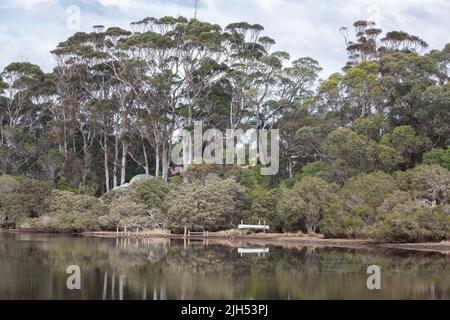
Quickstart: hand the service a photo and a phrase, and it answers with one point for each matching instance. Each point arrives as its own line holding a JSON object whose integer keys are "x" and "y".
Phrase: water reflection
{"x": 33, "y": 266}
{"x": 258, "y": 251}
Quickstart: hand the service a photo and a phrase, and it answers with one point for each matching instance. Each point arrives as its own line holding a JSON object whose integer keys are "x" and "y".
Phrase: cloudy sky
{"x": 29, "y": 29}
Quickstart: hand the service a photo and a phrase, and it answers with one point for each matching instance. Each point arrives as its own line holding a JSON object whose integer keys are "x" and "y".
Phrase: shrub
{"x": 150, "y": 193}
{"x": 414, "y": 221}
{"x": 264, "y": 207}
{"x": 438, "y": 156}
{"x": 319, "y": 169}
{"x": 68, "y": 212}
{"x": 124, "y": 212}
{"x": 364, "y": 193}
{"x": 356, "y": 207}
{"x": 21, "y": 198}
{"x": 113, "y": 195}
{"x": 431, "y": 183}
{"x": 306, "y": 203}
{"x": 217, "y": 205}
{"x": 139, "y": 205}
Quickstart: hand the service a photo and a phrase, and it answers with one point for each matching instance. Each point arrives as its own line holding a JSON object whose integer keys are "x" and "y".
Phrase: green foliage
{"x": 414, "y": 221}
{"x": 125, "y": 213}
{"x": 68, "y": 212}
{"x": 316, "y": 169}
{"x": 138, "y": 206}
{"x": 367, "y": 190}
{"x": 357, "y": 203}
{"x": 21, "y": 198}
{"x": 319, "y": 169}
{"x": 199, "y": 173}
{"x": 63, "y": 185}
{"x": 264, "y": 208}
{"x": 52, "y": 163}
{"x": 373, "y": 126}
{"x": 217, "y": 205}
{"x": 413, "y": 207}
{"x": 250, "y": 177}
{"x": 382, "y": 113}
{"x": 306, "y": 203}
{"x": 431, "y": 183}
{"x": 150, "y": 193}
{"x": 439, "y": 156}
{"x": 405, "y": 140}
{"x": 351, "y": 153}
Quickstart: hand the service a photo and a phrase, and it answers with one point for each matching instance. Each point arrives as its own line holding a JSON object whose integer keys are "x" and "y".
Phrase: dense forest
{"x": 363, "y": 153}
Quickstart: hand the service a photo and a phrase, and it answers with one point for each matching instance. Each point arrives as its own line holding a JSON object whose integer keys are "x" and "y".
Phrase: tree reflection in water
{"x": 32, "y": 266}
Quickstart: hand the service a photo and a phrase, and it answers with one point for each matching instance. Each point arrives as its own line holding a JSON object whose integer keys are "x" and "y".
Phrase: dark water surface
{"x": 33, "y": 266}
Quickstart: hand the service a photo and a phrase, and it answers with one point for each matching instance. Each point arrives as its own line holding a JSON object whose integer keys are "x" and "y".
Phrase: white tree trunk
{"x": 146, "y": 168}
{"x": 157, "y": 159}
{"x": 165, "y": 162}
{"x": 105, "y": 153}
{"x": 116, "y": 161}
{"x": 123, "y": 164}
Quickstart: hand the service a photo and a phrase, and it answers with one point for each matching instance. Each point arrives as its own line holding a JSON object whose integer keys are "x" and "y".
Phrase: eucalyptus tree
{"x": 95, "y": 56}
{"x": 22, "y": 85}
{"x": 103, "y": 114}
{"x": 3, "y": 104}
{"x": 417, "y": 91}
{"x": 292, "y": 107}
{"x": 76, "y": 56}
{"x": 369, "y": 45}
{"x": 366, "y": 87}
{"x": 70, "y": 74}
{"x": 158, "y": 88}
{"x": 306, "y": 203}
{"x": 253, "y": 74}
{"x": 181, "y": 60}
{"x": 26, "y": 93}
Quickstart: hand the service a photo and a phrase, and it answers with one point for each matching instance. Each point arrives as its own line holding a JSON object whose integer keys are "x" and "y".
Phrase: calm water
{"x": 34, "y": 267}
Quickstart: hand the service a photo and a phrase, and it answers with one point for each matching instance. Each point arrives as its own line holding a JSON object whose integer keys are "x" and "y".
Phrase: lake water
{"x": 33, "y": 266}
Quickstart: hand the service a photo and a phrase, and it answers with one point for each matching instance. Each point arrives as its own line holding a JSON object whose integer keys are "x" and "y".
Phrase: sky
{"x": 30, "y": 29}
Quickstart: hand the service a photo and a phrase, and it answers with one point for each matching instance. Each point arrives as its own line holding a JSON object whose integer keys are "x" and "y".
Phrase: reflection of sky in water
{"x": 34, "y": 267}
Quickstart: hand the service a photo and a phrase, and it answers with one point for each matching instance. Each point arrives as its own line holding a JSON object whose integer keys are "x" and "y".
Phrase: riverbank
{"x": 263, "y": 239}
{"x": 293, "y": 239}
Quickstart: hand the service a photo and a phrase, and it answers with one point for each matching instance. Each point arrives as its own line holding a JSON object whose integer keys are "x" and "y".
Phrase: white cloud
{"x": 30, "y": 29}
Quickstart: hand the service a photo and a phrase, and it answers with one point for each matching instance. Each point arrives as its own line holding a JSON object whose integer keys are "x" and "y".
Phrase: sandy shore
{"x": 289, "y": 240}
{"x": 233, "y": 238}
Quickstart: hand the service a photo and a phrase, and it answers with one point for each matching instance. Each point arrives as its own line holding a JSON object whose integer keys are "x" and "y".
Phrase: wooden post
{"x": 185, "y": 232}
{"x": 117, "y": 231}
{"x": 264, "y": 226}
{"x": 189, "y": 233}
